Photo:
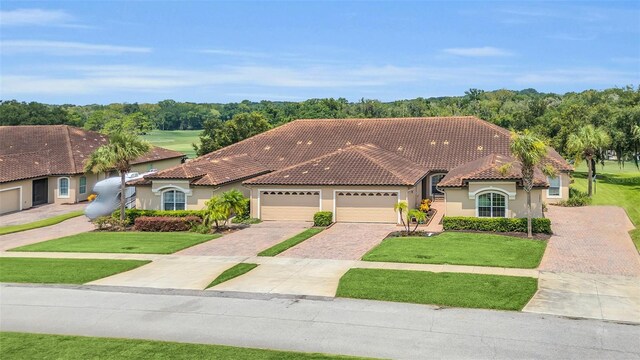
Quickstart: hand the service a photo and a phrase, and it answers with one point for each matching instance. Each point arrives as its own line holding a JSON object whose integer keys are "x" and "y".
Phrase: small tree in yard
{"x": 529, "y": 151}
{"x": 118, "y": 154}
{"x": 584, "y": 145}
{"x": 219, "y": 209}
{"x": 414, "y": 214}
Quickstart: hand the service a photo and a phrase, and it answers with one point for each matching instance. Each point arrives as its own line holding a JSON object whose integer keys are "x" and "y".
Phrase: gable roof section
{"x": 487, "y": 168}
{"x": 40, "y": 150}
{"x": 203, "y": 171}
{"x": 356, "y": 165}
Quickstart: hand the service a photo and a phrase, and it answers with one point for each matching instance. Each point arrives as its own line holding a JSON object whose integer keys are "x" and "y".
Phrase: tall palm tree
{"x": 584, "y": 145}
{"x": 118, "y": 154}
{"x": 529, "y": 151}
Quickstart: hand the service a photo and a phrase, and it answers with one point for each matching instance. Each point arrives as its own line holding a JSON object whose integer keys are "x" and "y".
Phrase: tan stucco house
{"x": 358, "y": 169}
{"x": 43, "y": 164}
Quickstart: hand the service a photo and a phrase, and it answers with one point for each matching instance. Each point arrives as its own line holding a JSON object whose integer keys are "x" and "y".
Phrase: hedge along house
{"x": 356, "y": 168}
{"x": 43, "y": 164}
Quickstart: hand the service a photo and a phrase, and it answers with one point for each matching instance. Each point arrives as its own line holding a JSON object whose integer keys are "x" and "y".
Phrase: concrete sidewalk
{"x": 340, "y": 326}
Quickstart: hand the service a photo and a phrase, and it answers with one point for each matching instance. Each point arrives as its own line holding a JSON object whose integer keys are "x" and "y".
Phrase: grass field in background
{"x": 178, "y": 140}
{"x": 42, "y": 346}
{"x": 615, "y": 186}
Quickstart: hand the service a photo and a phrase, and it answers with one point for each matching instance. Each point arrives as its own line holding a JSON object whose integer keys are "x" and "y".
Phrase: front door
{"x": 40, "y": 191}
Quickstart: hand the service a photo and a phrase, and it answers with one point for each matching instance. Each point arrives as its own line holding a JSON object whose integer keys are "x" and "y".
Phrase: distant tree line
{"x": 552, "y": 116}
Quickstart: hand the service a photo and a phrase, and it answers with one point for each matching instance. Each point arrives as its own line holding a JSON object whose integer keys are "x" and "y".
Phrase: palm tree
{"x": 118, "y": 154}
{"x": 220, "y": 208}
{"x": 529, "y": 151}
{"x": 401, "y": 207}
{"x": 584, "y": 145}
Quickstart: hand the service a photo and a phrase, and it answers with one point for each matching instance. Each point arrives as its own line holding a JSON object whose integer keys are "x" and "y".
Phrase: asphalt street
{"x": 338, "y": 326}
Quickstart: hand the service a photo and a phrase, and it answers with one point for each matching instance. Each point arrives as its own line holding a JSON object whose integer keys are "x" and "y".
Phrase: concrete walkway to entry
{"x": 69, "y": 227}
{"x": 249, "y": 241}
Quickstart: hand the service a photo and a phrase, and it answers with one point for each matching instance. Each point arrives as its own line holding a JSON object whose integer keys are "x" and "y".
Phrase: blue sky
{"x": 85, "y": 52}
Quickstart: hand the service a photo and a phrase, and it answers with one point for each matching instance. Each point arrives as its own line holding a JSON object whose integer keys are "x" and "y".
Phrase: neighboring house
{"x": 358, "y": 169}
{"x": 44, "y": 164}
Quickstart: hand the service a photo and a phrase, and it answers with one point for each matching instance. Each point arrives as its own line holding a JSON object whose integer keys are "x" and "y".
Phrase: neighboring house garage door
{"x": 9, "y": 201}
{"x": 289, "y": 205}
{"x": 363, "y": 206}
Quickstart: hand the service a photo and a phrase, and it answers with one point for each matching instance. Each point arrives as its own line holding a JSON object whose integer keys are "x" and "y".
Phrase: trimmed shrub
{"x": 132, "y": 214}
{"x": 166, "y": 223}
{"x": 576, "y": 198}
{"x": 322, "y": 218}
{"x": 538, "y": 225}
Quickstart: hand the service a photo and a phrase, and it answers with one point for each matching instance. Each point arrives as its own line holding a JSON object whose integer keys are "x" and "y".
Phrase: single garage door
{"x": 363, "y": 206}
{"x": 289, "y": 205}
{"x": 9, "y": 201}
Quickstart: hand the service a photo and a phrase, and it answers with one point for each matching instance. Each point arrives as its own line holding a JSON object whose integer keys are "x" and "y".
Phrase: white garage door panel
{"x": 376, "y": 207}
{"x": 289, "y": 205}
{"x": 9, "y": 201}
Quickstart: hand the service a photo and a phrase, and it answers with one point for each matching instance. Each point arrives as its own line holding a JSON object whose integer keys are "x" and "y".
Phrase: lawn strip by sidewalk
{"x": 40, "y": 223}
{"x": 121, "y": 242}
{"x": 62, "y": 271}
{"x": 232, "y": 272}
{"x": 34, "y": 346}
{"x": 445, "y": 289}
{"x": 291, "y": 242}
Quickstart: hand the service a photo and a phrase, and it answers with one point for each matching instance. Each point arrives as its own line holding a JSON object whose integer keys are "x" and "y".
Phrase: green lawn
{"x": 615, "y": 186}
{"x": 459, "y": 248}
{"x": 232, "y": 272}
{"x": 42, "y": 346}
{"x": 291, "y": 242}
{"x": 40, "y": 223}
{"x": 121, "y": 242}
{"x": 61, "y": 271}
{"x": 179, "y": 140}
{"x": 446, "y": 289}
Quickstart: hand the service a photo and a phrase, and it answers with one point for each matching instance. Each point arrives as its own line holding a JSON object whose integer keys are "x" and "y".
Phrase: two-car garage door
{"x": 289, "y": 205}
{"x": 350, "y": 206}
{"x": 366, "y": 206}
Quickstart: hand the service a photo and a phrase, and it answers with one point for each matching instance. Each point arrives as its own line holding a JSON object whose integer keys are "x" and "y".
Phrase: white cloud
{"x": 236, "y": 53}
{"x": 598, "y": 76}
{"x": 36, "y": 17}
{"x": 66, "y": 48}
{"x": 486, "y": 51}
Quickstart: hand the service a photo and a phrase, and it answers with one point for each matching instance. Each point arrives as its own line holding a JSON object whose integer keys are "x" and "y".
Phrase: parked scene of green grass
{"x": 121, "y": 242}
{"x": 615, "y": 186}
{"x": 39, "y": 346}
{"x": 458, "y": 248}
{"x": 62, "y": 271}
{"x": 445, "y": 289}
{"x": 291, "y": 242}
{"x": 178, "y": 140}
{"x": 40, "y": 223}
{"x": 232, "y": 272}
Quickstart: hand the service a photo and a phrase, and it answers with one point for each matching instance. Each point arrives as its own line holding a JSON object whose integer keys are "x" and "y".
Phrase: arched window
{"x": 173, "y": 200}
{"x": 63, "y": 187}
{"x": 491, "y": 204}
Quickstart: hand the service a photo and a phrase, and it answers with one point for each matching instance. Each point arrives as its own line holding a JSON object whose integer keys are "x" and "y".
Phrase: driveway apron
{"x": 342, "y": 241}
{"x": 249, "y": 241}
{"x": 591, "y": 268}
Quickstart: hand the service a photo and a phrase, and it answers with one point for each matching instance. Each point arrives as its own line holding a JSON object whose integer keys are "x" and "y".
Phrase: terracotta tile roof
{"x": 204, "y": 171}
{"x": 40, "y": 150}
{"x": 487, "y": 168}
{"x": 356, "y": 165}
{"x": 425, "y": 144}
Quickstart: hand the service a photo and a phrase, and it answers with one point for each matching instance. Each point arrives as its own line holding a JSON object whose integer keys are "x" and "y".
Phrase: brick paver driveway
{"x": 591, "y": 239}
{"x": 249, "y": 241}
{"x": 69, "y": 227}
{"x": 39, "y": 213}
{"x": 342, "y": 241}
